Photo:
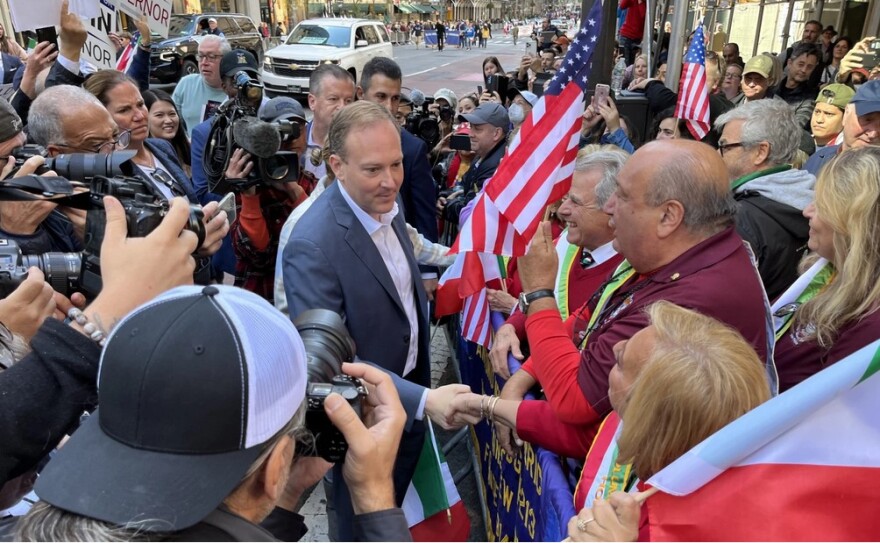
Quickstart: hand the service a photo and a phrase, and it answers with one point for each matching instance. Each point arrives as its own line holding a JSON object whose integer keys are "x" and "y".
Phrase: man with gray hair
{"x": 672, "y": 215}
{"x": 197, "y": 95}
{"x": 586, "y": 257}
{"x": 759, "y": 141}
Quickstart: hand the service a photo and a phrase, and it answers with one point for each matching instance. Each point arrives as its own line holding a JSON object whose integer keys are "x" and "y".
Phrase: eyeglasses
{"x": 213, "y": 57}
{"x": 727, "y": 146}
{"x": 732, "y": 75}
{"x": 119, "y": 143}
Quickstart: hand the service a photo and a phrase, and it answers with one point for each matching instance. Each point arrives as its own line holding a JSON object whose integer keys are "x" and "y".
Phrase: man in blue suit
{"x": 350, "y": 254}
{"x": 380, "y": 83}
{"x": 11, "y": 65}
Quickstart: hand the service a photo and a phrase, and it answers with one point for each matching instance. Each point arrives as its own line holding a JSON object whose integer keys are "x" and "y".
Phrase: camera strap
{"x": 37, "y": 187}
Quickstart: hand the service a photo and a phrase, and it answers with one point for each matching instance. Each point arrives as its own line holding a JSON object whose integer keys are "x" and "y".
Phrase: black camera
{"x": 62, "y": 270}
{"x": 237, "y": 127}
{"x": 98, "y": 175}
{"x": 421, "y": 124}
{"x": 328, "y": 344}
{"x": 144, "y": 210}
{"x": 76, "y": 166}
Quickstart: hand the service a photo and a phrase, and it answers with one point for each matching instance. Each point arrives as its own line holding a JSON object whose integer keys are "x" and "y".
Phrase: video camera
{"x": 93, "y": 177}
{"x": 421, "y": 123}
{"x": 237, "y": 126}
{"x": 328, "y": 344}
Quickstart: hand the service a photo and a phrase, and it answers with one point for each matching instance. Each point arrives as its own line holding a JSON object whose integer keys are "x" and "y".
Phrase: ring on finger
{"x": 582, "y": 524}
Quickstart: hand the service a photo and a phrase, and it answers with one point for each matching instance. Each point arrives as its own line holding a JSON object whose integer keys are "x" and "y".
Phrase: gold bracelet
{"x": 492, "y": 405}
{"x": 483, "y": 407}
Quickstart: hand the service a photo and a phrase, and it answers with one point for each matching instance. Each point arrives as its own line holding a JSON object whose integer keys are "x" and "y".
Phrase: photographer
{"x": 67, "y": 119}
{"x": 240, "y": 446}
{"x": 36, "y": 226}
{"x": 265, "y": 208}
{"x": 43, "y": 396}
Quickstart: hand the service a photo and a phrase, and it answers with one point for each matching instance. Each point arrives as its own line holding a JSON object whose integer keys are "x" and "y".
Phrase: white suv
{"x": 349, "y": 43}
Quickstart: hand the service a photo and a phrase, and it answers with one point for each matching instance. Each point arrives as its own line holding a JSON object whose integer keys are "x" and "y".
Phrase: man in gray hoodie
{"x": 758, "y": 143}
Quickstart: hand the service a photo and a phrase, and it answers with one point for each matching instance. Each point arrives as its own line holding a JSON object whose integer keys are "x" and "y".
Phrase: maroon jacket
{"x": 796, "y": 362}
{"x": 716, "y": 278}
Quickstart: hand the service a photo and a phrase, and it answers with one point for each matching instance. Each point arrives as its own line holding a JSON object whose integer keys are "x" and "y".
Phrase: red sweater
{"x": 582, "y": 283}
{"x": 715, "y": 277}
{"x": 633, "y": 26}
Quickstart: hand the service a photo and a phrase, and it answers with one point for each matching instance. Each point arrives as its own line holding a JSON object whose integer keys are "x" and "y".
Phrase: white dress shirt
{"x": 389, "y": 247}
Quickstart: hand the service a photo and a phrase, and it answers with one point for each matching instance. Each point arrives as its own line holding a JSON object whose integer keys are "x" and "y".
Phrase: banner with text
{"x": 34, "y": 14}
{"x": 528, "y": 497}
{"x": 158, "y": 13}
{"x": 98, "y": 49}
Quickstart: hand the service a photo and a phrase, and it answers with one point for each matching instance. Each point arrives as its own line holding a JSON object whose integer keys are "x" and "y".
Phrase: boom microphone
{"x": 258, "y": 138}
{"x": 417, "y": 97}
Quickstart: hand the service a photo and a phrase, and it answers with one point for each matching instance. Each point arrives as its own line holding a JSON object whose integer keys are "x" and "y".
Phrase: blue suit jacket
{"x": 165, "y": 153}
{"x": 197, "y": 146}
{"x": 331, "y": 263}
{"x": 418, "y": 192}
{"x": 12, "y": 67}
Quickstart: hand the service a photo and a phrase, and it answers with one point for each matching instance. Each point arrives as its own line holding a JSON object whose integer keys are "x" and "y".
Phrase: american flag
{"x": 539, "y": 162}
{"x": 693, "y": 98}
{"x": 536, "y": 170}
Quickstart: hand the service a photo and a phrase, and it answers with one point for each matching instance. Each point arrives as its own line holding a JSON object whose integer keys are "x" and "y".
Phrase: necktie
{"x": 587, "y": 259}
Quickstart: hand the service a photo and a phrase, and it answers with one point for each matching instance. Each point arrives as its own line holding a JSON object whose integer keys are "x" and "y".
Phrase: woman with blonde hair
{"x": 832, "y": 310}
{"x": 675, "y": 383}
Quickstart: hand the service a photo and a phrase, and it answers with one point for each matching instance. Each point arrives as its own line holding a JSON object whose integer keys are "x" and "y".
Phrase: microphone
{"x": 417, "y": 97}
{"x": 258, "y": 138}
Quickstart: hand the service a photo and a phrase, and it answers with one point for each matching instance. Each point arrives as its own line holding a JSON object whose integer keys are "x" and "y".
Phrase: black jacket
{"x": 660, "y": 98}
{"x": 473, "y": 181}
{"x": 778, "y": 234}
{"x": 43, "y": 395}
{"x": 222, "y": 525}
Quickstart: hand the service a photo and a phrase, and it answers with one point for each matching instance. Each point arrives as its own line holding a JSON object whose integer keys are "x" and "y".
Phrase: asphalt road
{"x": 428, "y": 69}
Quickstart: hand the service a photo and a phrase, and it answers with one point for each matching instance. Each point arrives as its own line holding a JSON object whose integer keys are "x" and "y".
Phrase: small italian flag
{"x": 432, "y": 505}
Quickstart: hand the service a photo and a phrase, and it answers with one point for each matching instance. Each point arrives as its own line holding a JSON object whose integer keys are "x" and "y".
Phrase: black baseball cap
{"x": 238, "y": 60}
{"x": 191, "y": 386}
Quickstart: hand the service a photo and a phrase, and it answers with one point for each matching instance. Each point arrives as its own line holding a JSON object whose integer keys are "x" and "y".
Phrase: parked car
{"x": 349, "y": 43}
{"x": 175, "y": 57}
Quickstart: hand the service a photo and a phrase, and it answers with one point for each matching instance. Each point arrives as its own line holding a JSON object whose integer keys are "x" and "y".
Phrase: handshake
{"x": 454, "y": 406}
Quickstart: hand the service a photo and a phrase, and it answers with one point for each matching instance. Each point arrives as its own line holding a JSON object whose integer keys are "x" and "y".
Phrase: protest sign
{"x": 34, "y": 14}
{"x": 158, "y": 13}
{"x": 98, "y": 49}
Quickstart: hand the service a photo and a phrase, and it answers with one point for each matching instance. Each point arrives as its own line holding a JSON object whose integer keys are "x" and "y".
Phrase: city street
{"x": 428, "y": 70}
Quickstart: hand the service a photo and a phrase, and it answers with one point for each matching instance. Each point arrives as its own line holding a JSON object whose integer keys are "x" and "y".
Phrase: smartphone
{"x": 460, "y": 142}
{"x": 870, "y": 60}
{"x": 602, "y": 94}
{"x": 48, "y": 34}
{"x": 479, "y": 91}
{"x": 227, "y": 204}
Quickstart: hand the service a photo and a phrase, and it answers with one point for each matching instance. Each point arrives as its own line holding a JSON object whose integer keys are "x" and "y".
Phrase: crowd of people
{"x": 169, "y": 405}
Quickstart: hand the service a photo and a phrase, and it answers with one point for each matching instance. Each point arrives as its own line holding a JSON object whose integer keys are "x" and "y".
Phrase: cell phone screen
{"x": 460, "y": 142}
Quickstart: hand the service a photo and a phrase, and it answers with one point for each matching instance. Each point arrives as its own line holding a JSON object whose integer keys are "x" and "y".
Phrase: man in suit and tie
{"x": 350, "y": 253}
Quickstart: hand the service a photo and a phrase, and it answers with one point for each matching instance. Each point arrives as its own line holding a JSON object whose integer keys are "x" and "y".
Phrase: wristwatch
{"x": 525, "y": 299}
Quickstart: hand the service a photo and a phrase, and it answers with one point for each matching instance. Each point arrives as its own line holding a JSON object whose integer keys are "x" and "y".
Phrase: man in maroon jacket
{"x": 673, "y": 220}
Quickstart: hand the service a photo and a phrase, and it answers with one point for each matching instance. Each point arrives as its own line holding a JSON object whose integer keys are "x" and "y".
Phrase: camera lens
{"x": 62, "y": 270}
{"x": 196, "y": 223}
{"x": 327, "y": 344}
{"x": 82, "y": 166}
{"x": 276, "y": 167}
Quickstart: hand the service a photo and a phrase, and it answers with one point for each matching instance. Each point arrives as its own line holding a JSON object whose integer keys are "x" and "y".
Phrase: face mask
{"x": 516, "y": 113}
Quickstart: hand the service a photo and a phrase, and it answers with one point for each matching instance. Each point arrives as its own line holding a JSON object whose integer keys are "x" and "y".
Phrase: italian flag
{"x": 432, "y": 505}
{"x": 803, "y": 466}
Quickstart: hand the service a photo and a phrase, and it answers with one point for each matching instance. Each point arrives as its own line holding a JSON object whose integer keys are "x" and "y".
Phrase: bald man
{"x": 672, "y": 214}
